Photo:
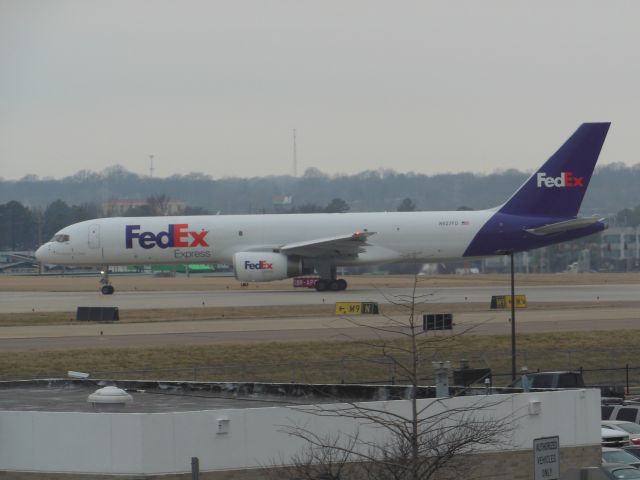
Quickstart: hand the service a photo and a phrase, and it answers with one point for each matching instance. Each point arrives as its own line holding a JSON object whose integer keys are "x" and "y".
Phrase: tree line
{"x": 612, "y": 188}
{"x": 23, "y": 228}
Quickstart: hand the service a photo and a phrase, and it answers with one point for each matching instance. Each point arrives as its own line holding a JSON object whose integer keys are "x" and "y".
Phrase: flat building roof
{"x": 70, "y": 395}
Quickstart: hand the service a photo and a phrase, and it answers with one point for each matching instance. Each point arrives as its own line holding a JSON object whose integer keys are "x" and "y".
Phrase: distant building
{"x": 621, "y": 244}
{"x": 281, "y": 201}
{"x": 114, "y": 208}
{"x": 118, "y": 207}
{"x": 502, "y": 263}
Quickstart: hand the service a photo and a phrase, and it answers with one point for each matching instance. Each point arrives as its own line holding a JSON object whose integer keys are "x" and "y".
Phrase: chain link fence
{"x": 599, "y": 367}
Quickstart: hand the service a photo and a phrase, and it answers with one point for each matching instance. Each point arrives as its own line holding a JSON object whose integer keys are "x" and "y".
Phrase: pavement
{"x": 566, "y": 308}
{"x": 22, "y": 302}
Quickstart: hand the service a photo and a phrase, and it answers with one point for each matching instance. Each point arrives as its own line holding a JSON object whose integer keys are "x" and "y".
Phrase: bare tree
{"x": 327, "y": 457}
{"x": 413, "y": 439}
{"x": 159, "y": 204}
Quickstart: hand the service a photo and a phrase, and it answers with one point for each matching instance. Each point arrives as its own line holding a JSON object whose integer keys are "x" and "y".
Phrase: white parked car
{"x": 614, "y": 438}
{"x": 632, "y": 428}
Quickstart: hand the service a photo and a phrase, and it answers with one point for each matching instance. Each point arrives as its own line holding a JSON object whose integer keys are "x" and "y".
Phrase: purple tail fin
{"x": 557, "y": 188}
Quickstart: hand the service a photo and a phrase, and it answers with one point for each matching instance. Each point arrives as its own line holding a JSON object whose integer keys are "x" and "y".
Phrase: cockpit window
{"x": 60, "y": 238}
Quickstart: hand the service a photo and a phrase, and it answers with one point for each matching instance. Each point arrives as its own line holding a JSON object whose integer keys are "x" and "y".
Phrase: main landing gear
{"x": 328, "y": 280}
{"x": 107, "y": 288}
{"x": 323, "y": 285}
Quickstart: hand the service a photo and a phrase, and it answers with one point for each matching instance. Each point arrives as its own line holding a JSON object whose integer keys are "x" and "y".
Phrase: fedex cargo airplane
{"x": 261, "y": 248}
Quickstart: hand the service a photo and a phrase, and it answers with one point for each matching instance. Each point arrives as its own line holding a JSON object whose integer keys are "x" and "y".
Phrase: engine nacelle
{"x": 268, "y": 266}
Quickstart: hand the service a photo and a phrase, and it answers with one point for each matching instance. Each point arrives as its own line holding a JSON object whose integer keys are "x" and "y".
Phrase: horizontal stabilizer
{"x": 561, "y": 227}
{"x": 340, "y": 246}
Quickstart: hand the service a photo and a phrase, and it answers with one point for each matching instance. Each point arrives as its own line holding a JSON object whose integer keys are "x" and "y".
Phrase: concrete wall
{"x": 157, "y": 443}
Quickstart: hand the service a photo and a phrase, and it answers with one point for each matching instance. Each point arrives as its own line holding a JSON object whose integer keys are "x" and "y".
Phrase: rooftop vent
{"x": 110, "y": 395}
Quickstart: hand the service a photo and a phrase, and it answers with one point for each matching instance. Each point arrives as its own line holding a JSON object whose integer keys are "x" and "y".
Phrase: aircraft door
{"x": 94, "y": 236}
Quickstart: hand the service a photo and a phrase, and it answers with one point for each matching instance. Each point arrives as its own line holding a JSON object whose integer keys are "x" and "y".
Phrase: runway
{"x": 22, "y": 302}
{"x": 566, "y": 308}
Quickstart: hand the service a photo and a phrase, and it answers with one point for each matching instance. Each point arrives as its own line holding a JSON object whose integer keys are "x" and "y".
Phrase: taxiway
{"x": 37, "y": 301}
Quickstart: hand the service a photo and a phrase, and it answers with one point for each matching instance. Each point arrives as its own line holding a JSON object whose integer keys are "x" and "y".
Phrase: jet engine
{"x": 267, "y": 266}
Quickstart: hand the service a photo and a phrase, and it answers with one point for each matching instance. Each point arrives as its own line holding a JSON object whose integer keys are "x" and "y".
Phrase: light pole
{"x": 513, "y": 321}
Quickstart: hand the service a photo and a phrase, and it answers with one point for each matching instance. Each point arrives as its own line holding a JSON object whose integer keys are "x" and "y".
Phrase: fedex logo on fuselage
{"x": 177, "y": 235}
{"x": 261, "y": 265}
{"x": 566, "y": 179}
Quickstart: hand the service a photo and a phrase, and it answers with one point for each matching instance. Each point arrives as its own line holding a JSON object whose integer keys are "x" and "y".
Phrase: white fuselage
{"x": 395, "y": 237}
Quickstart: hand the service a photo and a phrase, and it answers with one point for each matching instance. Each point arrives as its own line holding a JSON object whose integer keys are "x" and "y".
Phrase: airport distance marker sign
{"x": 546, "y": 458}
{"x": 357, "y": 308}
{"x": 504, "y": 301}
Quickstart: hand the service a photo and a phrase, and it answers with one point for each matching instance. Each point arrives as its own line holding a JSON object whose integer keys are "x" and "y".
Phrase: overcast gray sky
{"x": 217, "y": 87}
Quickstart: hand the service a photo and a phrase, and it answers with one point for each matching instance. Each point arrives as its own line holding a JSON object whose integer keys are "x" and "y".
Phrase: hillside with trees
{"x": 613, "y": 188}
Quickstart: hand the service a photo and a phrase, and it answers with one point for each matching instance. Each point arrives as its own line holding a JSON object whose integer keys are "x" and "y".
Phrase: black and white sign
{"x": 437, "y": 321}
{"x": 546, "y": 458}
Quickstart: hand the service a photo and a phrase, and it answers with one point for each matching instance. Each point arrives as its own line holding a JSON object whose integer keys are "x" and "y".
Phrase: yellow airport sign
{"x": 504, "y": 301}
{"x": 357, "y": 308}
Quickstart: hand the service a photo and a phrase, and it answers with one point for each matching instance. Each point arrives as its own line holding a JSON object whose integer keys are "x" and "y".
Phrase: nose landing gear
{"x": 107, "y": 288}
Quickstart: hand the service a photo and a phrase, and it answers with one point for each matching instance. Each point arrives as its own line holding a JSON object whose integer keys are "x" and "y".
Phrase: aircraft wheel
{"x": 322, "y": 285}
{"x": 342, "y": 284}
{"x": 107, "y": 290}
{"x": 334, "y": 285}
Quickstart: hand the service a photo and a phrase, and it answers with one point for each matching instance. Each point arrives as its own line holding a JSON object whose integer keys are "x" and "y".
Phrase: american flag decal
{"x": 464, "y": 222}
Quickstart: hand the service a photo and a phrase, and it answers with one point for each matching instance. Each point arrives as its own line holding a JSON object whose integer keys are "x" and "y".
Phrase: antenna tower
{"x": 150, "y": 166}
{"x": 295, "y": 158}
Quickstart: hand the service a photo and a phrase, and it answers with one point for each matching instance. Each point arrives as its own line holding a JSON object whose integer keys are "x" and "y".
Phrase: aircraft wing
{"x": 561, "y": 227}
{"x": 340, "y": 246}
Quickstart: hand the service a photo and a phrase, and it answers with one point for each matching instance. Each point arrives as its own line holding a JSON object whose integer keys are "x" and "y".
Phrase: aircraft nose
{"x": 41, "y": 252}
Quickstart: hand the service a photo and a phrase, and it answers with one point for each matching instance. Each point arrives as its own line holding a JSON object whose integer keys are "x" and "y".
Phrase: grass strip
{"x": 333, "y": 362}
